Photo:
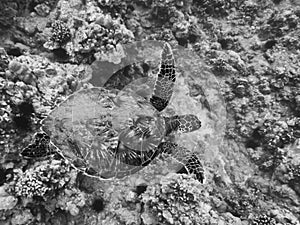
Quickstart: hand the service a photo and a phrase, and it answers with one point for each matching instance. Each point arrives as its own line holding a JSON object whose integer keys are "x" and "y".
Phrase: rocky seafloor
{"x": 49, "y": 49}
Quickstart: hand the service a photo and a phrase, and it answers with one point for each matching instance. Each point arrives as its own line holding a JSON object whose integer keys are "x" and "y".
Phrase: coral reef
{"x": 60, "y": 33}
{"x": 179, "y": 199}
{"x": 176, "y": 200}
{"x": 92, "y": 34}
{"x": 252, "y": 48}
{"x": 31, "y": 86}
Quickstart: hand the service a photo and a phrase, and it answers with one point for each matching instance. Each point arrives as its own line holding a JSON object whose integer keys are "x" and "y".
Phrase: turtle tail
{"x": 183, "y": 123}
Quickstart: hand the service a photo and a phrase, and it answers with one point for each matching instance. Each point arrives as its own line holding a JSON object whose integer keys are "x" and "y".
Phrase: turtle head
{"x": 192, "y": 123}
{"x": 184, "y": 123}
{"x": 144, "y": 133}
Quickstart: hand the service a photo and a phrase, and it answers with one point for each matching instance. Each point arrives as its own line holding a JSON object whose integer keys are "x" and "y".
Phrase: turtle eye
{"x": 130, "y": 122}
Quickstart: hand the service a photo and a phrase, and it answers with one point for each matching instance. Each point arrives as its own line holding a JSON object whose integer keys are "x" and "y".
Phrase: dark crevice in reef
{"x": 98, "y": 204}
{"x": 22, "y": 115}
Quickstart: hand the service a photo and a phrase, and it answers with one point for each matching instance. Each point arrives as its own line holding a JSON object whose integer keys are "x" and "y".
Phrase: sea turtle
{"x": 112, "y": 134}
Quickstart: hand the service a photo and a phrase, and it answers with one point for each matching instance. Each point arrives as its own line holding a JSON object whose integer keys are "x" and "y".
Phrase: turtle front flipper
{"x": 184, "y": 123}
{"x": 39, "y": 148}
{"x": 190, "y": 161}
{"x": 165, "y": 80}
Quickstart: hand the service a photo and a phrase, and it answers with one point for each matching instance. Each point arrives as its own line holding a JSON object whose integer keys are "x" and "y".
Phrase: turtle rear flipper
{"x": 190, "y": 161}
{"x": 193, "y": 166}
{"x": 39, "y": 148}
{"x": 165, "y": 80}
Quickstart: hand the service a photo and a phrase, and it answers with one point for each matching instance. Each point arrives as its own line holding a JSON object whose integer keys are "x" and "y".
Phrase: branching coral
{"x": 263, "y": 219}
{"x": 60, "y": 32}
{"x": 30, "y": 186}
{"x": 41, "y": 180}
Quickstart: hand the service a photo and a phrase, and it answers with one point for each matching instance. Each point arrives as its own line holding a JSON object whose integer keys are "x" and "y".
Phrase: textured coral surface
{"x": 238, "y": 70}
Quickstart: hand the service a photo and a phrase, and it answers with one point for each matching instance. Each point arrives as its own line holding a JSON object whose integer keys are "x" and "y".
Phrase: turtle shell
{"x": 87, "y": 126}
{"x": 196, "y": 92}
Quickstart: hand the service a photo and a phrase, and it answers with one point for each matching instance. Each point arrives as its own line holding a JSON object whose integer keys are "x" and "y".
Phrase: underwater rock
{"x": 8, "y": 12}
{"x": 7, "y": 201}
{"x": 42, "y": 9}
{"x": 22, "y": 217}
{"x": 281, "y": 22}
{"x": 71, "y": 200}
{"x": 4, "y": 61}
{"x": 21, "y": 72}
